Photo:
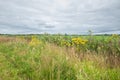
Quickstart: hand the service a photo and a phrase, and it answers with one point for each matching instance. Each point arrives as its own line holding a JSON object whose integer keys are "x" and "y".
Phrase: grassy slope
{"x": 20, "y": 61}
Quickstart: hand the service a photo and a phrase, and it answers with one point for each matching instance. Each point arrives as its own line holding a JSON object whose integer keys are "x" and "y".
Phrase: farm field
{"x": 59, "y": 57}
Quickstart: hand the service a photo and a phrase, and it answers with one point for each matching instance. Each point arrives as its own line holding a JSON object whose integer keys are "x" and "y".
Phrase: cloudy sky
{"x": 59, "y": 16}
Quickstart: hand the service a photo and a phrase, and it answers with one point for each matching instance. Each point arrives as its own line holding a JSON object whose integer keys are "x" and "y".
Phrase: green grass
{"x": 20, "y": 61}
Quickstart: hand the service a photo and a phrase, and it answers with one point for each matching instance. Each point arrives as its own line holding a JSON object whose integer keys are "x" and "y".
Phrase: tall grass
{"x": 47, "y": 61}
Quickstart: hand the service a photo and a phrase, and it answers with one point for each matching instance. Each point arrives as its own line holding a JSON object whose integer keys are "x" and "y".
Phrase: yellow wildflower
{"x": 79, "y": 41}
{"x": 35, "y": 42}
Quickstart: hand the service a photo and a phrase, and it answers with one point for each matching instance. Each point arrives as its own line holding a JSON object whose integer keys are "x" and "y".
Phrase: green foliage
{"x": 46, "y": 57}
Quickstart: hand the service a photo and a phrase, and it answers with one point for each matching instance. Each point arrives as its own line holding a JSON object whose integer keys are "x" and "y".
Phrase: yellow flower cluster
{"x": 79, "y": 41}
{"x": 66, "y": 44}
{"x": 35, "y": 41}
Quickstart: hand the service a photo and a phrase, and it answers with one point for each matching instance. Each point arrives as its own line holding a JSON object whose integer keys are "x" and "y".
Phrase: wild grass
{"x": 19, "y": 60}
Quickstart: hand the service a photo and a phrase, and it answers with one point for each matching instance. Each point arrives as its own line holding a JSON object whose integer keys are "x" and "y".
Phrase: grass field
{"x": 59, "y": 57}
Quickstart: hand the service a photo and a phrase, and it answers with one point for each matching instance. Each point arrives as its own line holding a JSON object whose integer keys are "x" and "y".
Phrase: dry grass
{"x": 19, "y": 61}
{"x": 4, "y": 39}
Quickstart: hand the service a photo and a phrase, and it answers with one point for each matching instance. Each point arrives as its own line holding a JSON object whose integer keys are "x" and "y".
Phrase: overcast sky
{"x": 59, "y": 16}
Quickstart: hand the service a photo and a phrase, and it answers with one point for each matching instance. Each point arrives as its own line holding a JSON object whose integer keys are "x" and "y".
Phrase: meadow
{"x": 59, "y": 57}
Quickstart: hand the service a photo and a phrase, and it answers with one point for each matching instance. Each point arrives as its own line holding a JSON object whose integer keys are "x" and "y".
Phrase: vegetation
{"x": 59, "y": 57}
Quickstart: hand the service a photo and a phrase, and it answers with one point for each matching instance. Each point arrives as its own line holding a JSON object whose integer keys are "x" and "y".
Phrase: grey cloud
{"x": 59, "y": 16}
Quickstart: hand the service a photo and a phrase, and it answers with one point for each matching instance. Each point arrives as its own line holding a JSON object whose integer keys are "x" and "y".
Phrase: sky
{"x": 59, "y": 16}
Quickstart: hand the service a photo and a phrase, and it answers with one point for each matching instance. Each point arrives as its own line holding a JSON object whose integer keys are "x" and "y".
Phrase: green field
{"x": 59, "y": 57}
